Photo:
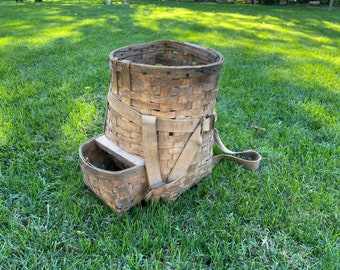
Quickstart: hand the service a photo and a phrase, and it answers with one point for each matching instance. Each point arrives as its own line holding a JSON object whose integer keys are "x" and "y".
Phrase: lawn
{"x": 281, "y": 73}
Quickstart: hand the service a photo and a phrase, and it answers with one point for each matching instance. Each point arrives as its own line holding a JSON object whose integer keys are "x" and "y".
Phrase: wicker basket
{"x": 116, "y": 177}
{"x": 159, "y": 124}
{"x": 168, "y": 80}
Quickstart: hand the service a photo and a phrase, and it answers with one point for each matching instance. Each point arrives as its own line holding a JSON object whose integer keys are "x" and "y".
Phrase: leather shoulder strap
{"x": 250, "y": 159}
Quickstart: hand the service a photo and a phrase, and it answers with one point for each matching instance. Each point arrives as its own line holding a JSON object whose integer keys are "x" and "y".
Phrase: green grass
{"x": 281, "y": 72}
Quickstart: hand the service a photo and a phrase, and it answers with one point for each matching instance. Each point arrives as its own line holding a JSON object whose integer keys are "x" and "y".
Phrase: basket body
{"x": 168, "y": 80}
{"x": 119, "y": 184}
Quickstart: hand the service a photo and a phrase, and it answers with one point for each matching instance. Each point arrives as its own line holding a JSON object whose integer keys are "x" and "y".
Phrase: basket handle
{"x": 250, "y": 159}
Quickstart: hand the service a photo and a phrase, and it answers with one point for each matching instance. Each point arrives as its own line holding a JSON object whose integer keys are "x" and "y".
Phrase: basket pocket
{"x": 118, "y": 180}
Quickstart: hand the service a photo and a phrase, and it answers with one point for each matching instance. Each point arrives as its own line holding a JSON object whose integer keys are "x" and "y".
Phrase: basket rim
{"x": 107, "y": 172}
{"x": 219, "y": 56}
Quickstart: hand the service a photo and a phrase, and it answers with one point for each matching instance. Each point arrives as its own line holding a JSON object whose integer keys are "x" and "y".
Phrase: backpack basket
{"x": 161, "y": 109}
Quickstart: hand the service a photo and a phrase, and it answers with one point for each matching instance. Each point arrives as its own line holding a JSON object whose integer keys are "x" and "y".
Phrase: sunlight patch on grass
{"x": 57, "y": 18}
{"x": 189, "y": 28}
{"x": 59, "y": 27}
{"x": 153, "y": 18}
{"x": 280, "y": 72}
{"x": 6, "y": 41}
{"x": 147, "y": 17}
{"x": 320, "y": 115}
{"x": 71, "y": 30}
{"x": 5, "y": 130}
{"x": 272, "y": 34}
{"x": 79, "y": 119}
{"x": 334, "y": 26}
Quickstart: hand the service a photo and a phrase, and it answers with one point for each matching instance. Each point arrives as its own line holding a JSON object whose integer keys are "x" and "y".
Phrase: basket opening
{"x": 167, "y": 53}
{"x": 168, "y": 58}
{"x": 103, "y": 160}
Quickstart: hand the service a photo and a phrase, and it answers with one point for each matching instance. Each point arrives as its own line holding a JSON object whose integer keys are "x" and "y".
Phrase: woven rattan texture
{"x": 167, "y": 97}
{"x": 199, "y": 168}
{"x": 121, "y": 189}
{"x": 165, "y": 79}
{"x": 127, "y": 135}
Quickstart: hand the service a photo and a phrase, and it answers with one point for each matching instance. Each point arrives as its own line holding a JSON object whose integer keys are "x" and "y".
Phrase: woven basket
{"x": 168, "y": 80}
{"x": 159, "y": 124}
{"x": 117, "y": 178}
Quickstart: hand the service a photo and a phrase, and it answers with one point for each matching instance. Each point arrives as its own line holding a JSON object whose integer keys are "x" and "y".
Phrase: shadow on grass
{"x": 280, "y": 72}
{"x": 54, "y": 69}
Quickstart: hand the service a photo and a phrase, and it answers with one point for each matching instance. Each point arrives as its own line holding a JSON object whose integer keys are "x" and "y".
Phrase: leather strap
{"x": 163, "y": 124}
{"x": 188, "y": 153}
{"x": 125, "y": 74}
{"x": 150, "y": 150}
{"x": 183, "y": 162}
{"x": 250, "y": 159}
{"x": 151, "y": 124}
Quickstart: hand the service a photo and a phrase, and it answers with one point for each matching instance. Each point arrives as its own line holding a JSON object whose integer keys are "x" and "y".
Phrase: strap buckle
{"x": 208, "y": 123}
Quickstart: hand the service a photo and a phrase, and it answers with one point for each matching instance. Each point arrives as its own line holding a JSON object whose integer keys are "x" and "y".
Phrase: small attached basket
{"x": 116, "y": 177}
